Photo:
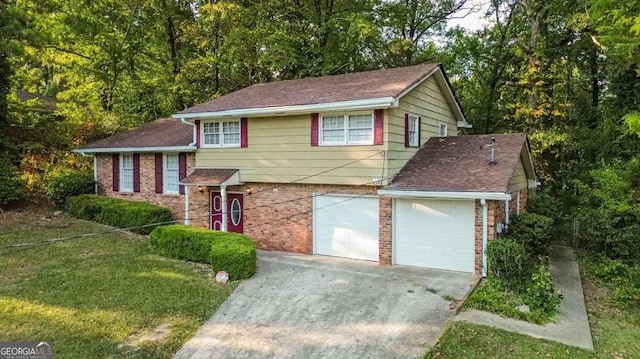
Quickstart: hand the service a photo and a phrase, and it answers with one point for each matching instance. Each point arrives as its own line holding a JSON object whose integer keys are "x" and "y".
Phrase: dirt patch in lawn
{"x": 156, "y": 335}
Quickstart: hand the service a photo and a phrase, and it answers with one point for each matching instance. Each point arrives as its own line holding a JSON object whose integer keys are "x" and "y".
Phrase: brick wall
{"x": 276, "y": 216}
{"x": 147, "y": 183}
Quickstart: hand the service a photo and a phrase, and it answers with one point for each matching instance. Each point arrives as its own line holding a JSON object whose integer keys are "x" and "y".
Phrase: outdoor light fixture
{"x": 249, "y": 190}
{"x": 202, "y": 189}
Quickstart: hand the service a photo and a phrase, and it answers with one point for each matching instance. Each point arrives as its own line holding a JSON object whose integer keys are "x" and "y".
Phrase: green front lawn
{"x": 615, "y": 329}
{"x": 107, "y": 296}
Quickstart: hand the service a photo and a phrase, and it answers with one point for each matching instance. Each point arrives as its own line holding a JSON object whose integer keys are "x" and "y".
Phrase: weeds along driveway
{"x": 300, "y": 306}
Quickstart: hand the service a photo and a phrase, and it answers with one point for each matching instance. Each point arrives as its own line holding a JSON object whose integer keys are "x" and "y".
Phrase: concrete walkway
{"x": 302, "y": 306}
{"x": 573, "y": 324}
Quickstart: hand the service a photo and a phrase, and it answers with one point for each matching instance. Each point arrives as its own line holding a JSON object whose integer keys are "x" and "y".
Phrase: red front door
{"x": 234, "y": 212}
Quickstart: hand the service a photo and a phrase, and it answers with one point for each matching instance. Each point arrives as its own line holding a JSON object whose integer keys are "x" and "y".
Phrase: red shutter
{"x": 378, "y": 127}
{"x": 197, "y": 133}
{"x": 314, "y": 129}
{"x": 159, "y": 173}
{"x": 115, "y": 160}
{"x": 419, "y": 130}
{"x": 136, "y": 172}
{"x": 406, "y": 130}
{"x": 243, "y": 132}
{"x": 182, "y": 169}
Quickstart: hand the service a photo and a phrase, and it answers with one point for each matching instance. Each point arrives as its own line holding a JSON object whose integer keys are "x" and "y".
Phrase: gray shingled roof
{"x": 461, "y": 164}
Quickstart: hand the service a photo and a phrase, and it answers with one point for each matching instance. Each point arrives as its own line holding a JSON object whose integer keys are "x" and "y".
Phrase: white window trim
{"x": 415, "y": 118}
{"x": 220, "y": 124}
{"x": 165, "y": 171}
{"x": 345, "y": 116}
{"x": 446, "y": 130}
{"x": 121, "y": 187}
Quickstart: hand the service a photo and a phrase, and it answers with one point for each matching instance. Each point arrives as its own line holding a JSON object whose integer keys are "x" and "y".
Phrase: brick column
{"x": 384, "y": 256}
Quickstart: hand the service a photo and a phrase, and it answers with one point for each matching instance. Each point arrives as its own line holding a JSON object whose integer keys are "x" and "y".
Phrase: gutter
{"x": 136, "y": 149}
{"x": 449, "y": 195}
{"x": 366, "y": 104}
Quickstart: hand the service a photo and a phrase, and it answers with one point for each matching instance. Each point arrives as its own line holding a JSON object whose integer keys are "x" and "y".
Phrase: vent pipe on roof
{"x": 491, "y": 145}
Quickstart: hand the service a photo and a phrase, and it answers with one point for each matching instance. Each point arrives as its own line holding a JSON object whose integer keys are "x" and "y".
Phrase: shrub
{"x": 11, "y": 186}
{"x": 234, "y": 254}
{"x": 183, "y": 242}
{"x": 541, "y": 294}
{"x": 69, "y": 183}
{"x": 118, "y": 212}
{"x": 533, "y": 231}
{"x": 545, "y": 204}
{"x": 508, "y": 261}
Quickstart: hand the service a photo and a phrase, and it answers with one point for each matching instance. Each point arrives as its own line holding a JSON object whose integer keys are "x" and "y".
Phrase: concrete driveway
{"x": 300, "y": 306}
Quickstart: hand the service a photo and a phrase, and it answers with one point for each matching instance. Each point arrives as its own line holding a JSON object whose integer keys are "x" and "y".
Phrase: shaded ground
{"x": 320, "y": 307}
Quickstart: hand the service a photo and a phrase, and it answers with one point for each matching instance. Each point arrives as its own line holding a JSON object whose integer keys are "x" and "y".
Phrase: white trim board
{"x": 136, "y": 149}
{"x": 450, "y": 195}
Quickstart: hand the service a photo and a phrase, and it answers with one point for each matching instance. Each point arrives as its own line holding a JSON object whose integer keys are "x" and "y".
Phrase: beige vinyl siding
{"x": 428, "y": 102}
{"x": 279, "y": 150}
{"x": 519, "y": 179}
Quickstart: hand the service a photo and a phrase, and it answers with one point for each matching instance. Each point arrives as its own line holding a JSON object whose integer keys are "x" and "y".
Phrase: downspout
{"x": 518, "y": 203}
{"x": 95, "y": 171}
{"x": 186, "y": 205}
{"x": 506, "y": 214}
{"x": 195, "y": 132}
{"x": 485, "y": 235}
{"x": 223, "y": 194}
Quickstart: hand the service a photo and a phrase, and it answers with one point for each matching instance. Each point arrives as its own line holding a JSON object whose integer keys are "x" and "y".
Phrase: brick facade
{"x": 385, "y": 232}
{"x": 147, "y": 192}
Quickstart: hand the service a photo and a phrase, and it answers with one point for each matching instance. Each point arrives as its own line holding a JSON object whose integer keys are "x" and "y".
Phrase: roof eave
{"x": 499, "y": 196}
{"x": 136, "y": 149}
{"x": 354, "y": 105}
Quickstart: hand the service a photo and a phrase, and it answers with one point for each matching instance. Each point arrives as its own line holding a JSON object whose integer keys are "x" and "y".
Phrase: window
{"x": 443, "y": 130}
{"x": 171, "y": 174}
{"x": 126, "y": 173}
{"x": 347, "y": 129}
{"x": 414, "y": 128}
{"x": 221, "y": 134}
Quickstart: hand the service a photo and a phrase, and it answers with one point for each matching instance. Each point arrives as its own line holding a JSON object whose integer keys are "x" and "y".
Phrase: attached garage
{"x": 435, "y": 233}
{"x": 344, "y": 226}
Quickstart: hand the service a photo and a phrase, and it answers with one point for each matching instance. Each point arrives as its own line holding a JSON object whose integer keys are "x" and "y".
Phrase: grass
{"x": 615, "y": 330}
{"x": 106, "y": 296}
{"x": 491, "y": 296}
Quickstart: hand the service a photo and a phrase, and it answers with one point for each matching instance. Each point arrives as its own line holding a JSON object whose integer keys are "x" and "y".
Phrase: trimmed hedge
{"x": 234, "y": 254}
{"x": 508, "y": 261}
{"x": 183, "y": 242}
{"x": 230, "y": 252}
{"x": 118, "y": 212}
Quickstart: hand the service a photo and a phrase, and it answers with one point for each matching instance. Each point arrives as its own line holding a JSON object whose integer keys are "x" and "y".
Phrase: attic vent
{"x": 491, "y": 145}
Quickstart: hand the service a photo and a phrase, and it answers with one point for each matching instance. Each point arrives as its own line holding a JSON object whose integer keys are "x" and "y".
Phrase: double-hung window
{"x": 126, "y": 173}
{"x": 413, "y": 131}
{"x": 221, "y": 134}
{"x": 347, "y": 129}
{"x": 171, "y": 174}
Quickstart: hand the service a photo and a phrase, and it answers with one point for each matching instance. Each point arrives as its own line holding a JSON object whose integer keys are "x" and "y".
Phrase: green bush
{"x": 118, "y": 212}
{"x": 541, "y": 294}
{"x": 508, "y": 261}
{"x": 11, "y": 186}
{"x": 67, "y": 184}
{"x": 234, "y": 254}
{"x": 544, "y": 203}
{"x": 533, "y": 231}
{"x": 183, "y": 242}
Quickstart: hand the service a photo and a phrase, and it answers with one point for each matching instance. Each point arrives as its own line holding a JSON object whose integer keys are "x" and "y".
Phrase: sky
{"x": 475, "y": 10}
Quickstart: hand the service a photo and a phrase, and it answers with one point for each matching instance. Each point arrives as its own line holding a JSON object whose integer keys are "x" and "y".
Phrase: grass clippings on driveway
{"x": 615, "y": 329}
{"x": 106, "y": 296}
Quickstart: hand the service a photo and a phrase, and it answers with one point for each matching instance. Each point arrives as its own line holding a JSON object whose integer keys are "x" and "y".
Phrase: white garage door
{"x": 344, "y": 226}
{"x": 435, "y": 234}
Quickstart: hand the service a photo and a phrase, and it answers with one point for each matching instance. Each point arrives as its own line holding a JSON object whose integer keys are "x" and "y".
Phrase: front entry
{"x": 234, "y": 212}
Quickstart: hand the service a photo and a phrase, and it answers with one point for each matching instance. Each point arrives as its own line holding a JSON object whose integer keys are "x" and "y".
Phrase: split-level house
{"x": 366, "y": 165}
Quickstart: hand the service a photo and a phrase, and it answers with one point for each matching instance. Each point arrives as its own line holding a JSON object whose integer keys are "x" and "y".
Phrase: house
{"x": 366, "y": 166}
